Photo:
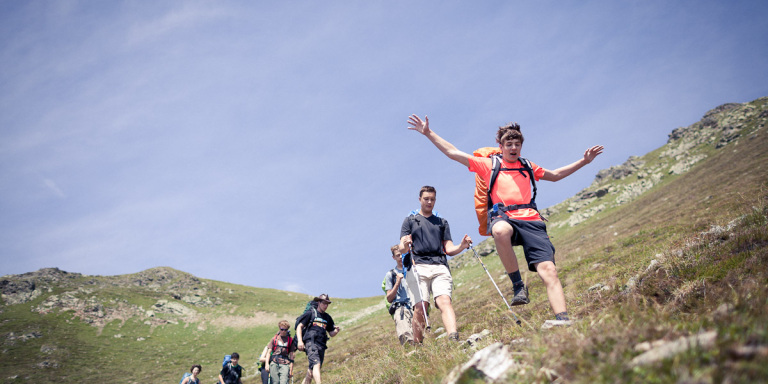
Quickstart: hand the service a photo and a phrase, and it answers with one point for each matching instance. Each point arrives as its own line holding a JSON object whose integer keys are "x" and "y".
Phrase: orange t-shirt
{"x": 511, "y": 187}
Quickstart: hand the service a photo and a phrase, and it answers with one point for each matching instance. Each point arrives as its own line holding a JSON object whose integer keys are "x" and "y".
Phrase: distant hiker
{"x": 397, "y": 294}
{"x": 515, "y": 219}
{"x": 231, "y": 372}
{"x": 428, "y": 237}
{"x": 263, "y": 372}
{"x": 280, "y": 351}
{"x": 191, "y": 378}
{"x": 312, "y": 331}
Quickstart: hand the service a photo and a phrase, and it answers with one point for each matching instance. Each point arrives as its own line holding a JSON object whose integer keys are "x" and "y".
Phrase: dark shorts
{"x": 532, "y": 235}
{"x": 315, "y": 354}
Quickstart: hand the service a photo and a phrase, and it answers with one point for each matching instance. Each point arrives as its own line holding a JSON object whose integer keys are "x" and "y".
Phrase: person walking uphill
{"x": 428, "y": 238}
{"x": 312, "y": 331}
{"x": 397, "y": 295}
{"x": 514, "y": 220}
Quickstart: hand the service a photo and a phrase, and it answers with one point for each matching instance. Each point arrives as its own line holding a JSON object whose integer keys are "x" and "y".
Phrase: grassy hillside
{"x": 686, "y": 256}
{"x": 110, "y": 328}
{"x": 666, "y": 246}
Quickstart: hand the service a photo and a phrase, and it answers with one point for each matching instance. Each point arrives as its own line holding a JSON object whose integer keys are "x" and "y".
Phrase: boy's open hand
{"x": 591, "y": 153}
{"x": 418, "y": 125}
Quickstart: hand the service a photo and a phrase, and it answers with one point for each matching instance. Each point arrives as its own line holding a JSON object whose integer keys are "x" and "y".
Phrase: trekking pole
{"x": 494, "y": 284}
{"x": 418, "y": 287}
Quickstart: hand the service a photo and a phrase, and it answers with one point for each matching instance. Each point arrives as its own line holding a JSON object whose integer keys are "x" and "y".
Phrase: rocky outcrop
{"x": 685, "y": 148}
{"x": 19, "y": 291}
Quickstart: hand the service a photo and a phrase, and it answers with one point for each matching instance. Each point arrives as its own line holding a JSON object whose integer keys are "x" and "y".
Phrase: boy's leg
{"x": 502, "y": 233}
{"x": 419, "y": 292}
{"x": 502, "y": 236}
{"x": 403, "y": 325}
{"x": 419, "y": 322}
{"x": 442, "y": 288}
{"x": 548, "y": 273}
{"x": 307, "y": 377}
{"x": 447, "y": 313}
{"x": 316, "y": 373}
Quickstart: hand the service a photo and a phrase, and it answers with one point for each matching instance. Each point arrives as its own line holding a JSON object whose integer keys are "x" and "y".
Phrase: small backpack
{"x": 184, "y": 377}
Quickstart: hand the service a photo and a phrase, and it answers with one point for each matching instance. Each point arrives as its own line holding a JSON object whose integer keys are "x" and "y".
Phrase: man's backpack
{"x": 484, "y": 207}
{"x": 311, "y": 306}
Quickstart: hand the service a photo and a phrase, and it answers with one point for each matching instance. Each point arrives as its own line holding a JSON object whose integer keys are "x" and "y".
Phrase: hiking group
{"x": 506, "y": 208}
{"x": 313, "y": 328}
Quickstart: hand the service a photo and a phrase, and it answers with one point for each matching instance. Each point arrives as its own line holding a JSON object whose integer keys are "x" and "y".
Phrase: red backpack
{"x": 274, "y": 342}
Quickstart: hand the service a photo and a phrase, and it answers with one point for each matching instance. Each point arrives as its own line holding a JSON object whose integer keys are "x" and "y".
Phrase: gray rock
{"x": 472, "y": 340}
{"x": 549, "y": 324}
{"x": 669, "y": 349}
{"x": 18, "y": 291}
{"x": 492, "y": 363}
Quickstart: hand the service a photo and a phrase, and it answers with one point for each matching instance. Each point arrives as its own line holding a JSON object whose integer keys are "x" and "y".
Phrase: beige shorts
{"x": 434, "y": 280}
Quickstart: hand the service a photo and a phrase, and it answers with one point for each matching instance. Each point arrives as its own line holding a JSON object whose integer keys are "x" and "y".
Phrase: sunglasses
{"x": 283, "y": 329}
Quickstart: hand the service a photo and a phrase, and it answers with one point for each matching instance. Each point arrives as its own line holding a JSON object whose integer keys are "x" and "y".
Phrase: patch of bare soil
{"x": 258, "y": 319}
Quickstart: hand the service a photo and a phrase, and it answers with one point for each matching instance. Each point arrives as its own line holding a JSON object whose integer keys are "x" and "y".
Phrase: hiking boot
{"x": 520, "y": 297}
{"x": 453, "y": 336}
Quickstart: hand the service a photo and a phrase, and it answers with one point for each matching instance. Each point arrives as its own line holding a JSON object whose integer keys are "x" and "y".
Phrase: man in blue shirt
{"x": 397, "y": 295}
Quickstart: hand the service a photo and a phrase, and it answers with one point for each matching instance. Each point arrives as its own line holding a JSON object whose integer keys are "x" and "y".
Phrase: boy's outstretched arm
{"x": 422, "y": 126}
{"x": 567, "y": 170}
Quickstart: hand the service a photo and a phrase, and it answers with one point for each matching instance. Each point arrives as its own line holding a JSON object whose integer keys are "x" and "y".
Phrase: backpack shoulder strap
{"x": 495, "y": 168}
{"x": 274, "y": 341}
{"x": 527, "y": 166}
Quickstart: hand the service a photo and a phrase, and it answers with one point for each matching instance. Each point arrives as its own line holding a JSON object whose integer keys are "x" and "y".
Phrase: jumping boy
{"x": 397, "y": 294}
{"x": 428, "y": 238}
{"x": 516, "y": 226}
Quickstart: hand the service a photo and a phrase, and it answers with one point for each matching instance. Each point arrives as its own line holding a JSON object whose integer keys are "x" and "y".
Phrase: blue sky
{"x": 265, "y": 143}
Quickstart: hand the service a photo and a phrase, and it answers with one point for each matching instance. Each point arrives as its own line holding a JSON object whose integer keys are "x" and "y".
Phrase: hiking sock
{"x": 562, "y": 316}
{"x": 517, "y": 280}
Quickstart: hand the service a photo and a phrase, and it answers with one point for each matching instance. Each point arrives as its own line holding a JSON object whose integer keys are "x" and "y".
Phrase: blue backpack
{"x": 184, "y": 377}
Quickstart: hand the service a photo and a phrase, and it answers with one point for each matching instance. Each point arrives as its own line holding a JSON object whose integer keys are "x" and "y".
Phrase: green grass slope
{"x": 684, "y": 256}
{"x": 145, "y": 327}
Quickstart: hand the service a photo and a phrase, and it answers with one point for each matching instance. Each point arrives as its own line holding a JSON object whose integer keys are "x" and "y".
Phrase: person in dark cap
{"x": 312, "y": 331}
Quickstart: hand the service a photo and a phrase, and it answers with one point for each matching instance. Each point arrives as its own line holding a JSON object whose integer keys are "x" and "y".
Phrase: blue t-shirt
{"x": 389, "y": 281}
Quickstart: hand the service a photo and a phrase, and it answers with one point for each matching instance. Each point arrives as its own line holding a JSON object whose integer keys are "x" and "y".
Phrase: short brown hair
{"x": 284, "y": 324}
{"x": 196, "y": 366}
{"x": 394, "y": 248}
{"x": 427, "y": 188}
{"x": 510, "y": 131}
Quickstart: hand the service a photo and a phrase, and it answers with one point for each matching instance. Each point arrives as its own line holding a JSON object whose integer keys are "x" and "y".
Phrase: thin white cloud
{"x": 53, "y": 187}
